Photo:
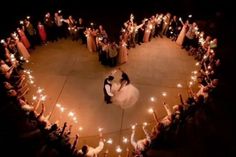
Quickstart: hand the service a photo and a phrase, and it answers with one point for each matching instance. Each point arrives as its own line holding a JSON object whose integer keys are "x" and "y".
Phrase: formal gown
{"x": 42, "y": 33}
{"x": 22, "y": 50}
{"x": 24, "y": 39}
{"x": 91, "y": 45}
{"x": 126, "y": 97}
{"x": 123, "y": 53}
{"x": 181, "y": 36}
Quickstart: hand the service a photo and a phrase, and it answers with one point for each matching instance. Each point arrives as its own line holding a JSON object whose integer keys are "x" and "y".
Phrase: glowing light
{"x": 74, "y": 119}
{"x": 145, "y": 123}
{"x": 80, "y": 128}
{"x": 125, "y": 140}
{"x": 59, "y": 11}
{"x": 190, "y": 15}
{"x": 195, "y": 72}
{"x": 100, "y": 38}
{"x": 28, "y": 17}
{"x": 34, "y": 97}
{"x": 21, "y": 58}
{"x": 179, "y": 85}
{"x": 150, "y": 110}
{"x": 71, "y": 114}
{"x": 197, "y": 64}
{"x": 164, "y": 94}
{"x": 39, "y": 90}
{"x": 100, "y": 129}
{"x": 152, "y": 99}
{"x": 190, "y": 83}
{"x": 194, "y": 78}
{"x": 62, "y": 109}
{"x": 58, "y": 105}
{"x": 133, "y": 127}
{"x": 31, "y": 77}
{"x": 2, "y": 41}
{"x": 109, "y": 141}
{"x": 118, "y": 149}
{"x": 31, "y": 82}
{"x": 43, "y": 97}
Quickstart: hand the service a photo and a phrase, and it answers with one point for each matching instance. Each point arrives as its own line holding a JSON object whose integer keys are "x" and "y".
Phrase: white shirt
{"x": 108, "y": 89}
{"x": 93, "y": 152}
{"x": 167, "y": 120}
{"x": 140, "y": 143}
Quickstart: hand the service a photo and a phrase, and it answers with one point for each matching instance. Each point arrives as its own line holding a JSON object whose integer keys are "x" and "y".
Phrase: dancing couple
{"x": 122, "y": 92}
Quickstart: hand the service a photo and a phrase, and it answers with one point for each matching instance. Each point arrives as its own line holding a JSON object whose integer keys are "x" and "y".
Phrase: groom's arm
{"x": 107, "y": 87}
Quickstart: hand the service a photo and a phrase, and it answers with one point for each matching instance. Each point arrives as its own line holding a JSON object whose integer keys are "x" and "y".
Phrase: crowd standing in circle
{"x": 15, "y": 52}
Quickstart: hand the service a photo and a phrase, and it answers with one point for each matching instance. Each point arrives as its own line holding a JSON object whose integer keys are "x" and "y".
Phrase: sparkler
{"x": 150, "y": 110}
{"x": 179, "y": 85}
{"x": 164, "y": 94}
{"x": 100, "y": 129}
{"x": 145, "y": 123}
{"x": 34, "y": 97}
{"x": 43, "y": 97}
{"x": 118, "y": 149}
{"x": 71, "y": 114}
{"x": 152, "y": 99}
{"x": 190, "y": 83}
{"x": 109, "y": 141}
{"x": 125, "y": 140}
{"x": 62, "y": 109}
{"x": 80, "y": 128}
{"x": 58, "y": 105}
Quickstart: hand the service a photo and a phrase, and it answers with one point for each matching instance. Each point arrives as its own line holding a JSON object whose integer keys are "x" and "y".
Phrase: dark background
{"x": 214, "y": 17}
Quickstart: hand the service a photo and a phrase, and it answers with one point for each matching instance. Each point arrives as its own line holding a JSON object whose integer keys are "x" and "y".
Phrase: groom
{"x": 107, "y": 89}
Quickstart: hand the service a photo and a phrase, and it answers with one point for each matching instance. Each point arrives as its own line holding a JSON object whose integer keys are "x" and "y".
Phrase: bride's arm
{"x": 122, "y": 84}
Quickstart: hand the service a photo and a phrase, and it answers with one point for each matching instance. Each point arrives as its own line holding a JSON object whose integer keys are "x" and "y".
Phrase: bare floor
{"x": 73, "y": 77}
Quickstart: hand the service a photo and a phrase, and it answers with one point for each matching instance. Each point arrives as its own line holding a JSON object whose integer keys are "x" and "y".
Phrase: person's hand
{"x": 100, "y": 134}
{"x": 76, "y": 136}
{"x": 113, "y": 72}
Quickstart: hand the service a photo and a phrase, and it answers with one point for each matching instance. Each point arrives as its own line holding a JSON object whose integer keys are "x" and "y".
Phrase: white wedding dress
{"x": 126, "y": 97}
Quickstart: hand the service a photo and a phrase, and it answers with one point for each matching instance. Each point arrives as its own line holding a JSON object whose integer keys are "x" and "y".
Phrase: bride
{"x": 125, "y": 94}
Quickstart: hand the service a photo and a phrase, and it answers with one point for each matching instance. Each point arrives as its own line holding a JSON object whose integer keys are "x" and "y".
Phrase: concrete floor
{"x": 72, "y": 76}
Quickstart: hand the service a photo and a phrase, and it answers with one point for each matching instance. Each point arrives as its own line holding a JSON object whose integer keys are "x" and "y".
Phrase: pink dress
{"x": 181, "y": 36}
{"x": 90, "y": 34}
{"x": 123, "y": 53}
{"x": 147, "y": 33}
{"x": 42, "y": 33}
{"x": 22, "y": 50}
{"x": 24, "y": 39}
